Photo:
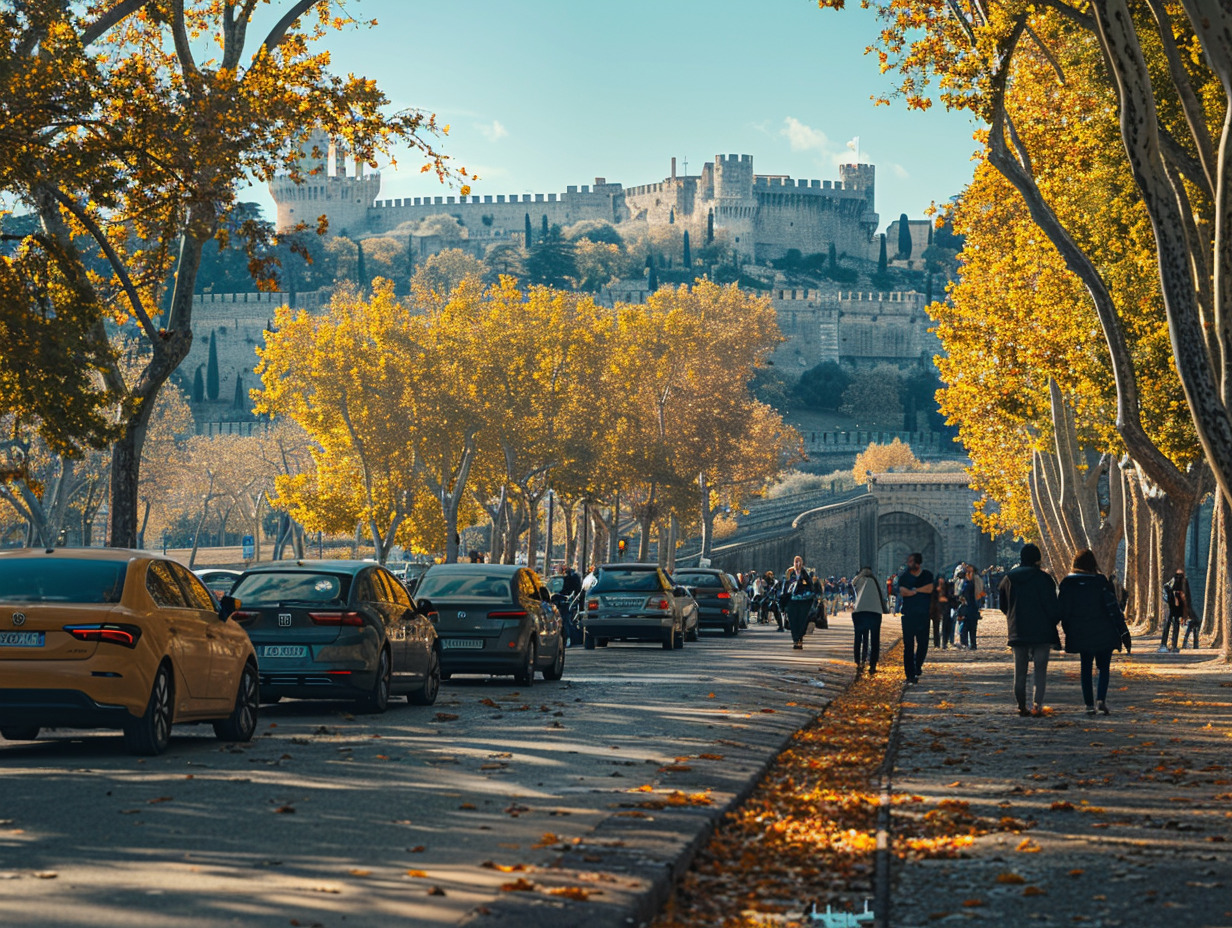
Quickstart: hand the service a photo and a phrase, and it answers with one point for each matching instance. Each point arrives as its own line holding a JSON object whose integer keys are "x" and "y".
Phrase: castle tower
{"x": 861, "y": 177}
{"x": 735, "y": 203}
{"x": 344, "y": 200}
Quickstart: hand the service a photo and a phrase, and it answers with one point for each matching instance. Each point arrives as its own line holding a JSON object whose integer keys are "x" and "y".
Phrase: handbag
{"x": 1115, "y": 617}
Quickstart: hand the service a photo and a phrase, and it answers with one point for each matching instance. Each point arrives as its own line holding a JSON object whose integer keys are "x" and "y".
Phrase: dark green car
{"x": 494, "y": 619}
{"x": 338, "y": 630}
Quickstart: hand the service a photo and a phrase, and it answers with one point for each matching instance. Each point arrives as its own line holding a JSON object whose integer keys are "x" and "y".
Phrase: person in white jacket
{"x": 866, "y": 613}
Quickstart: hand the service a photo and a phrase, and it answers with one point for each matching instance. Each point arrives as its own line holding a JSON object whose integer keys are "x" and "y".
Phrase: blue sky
{"x": 545, "y": 93}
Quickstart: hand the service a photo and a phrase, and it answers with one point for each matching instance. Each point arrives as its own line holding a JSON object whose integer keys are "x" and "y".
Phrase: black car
{"x": 717, "y": 598}
{"x": 494, "y": 619}
{"x": 338, "y": 630}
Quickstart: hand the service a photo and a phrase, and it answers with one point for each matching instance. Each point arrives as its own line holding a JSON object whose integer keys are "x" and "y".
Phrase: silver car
{"x": 637, "y": 602}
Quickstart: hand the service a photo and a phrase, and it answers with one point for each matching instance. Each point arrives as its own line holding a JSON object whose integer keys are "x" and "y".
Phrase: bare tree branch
{"x": 108, "y": 20}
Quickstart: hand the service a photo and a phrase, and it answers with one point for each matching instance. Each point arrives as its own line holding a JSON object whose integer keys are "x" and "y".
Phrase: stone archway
{"x": 899, "y": 534}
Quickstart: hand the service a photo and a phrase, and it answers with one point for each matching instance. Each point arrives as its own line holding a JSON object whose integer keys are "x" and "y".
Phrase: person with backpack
{"x": 1028, "y": 597}
{"x": 1094, "y": 626}
{"x": 798, "y": 598}
{"x": 866, "y": 612}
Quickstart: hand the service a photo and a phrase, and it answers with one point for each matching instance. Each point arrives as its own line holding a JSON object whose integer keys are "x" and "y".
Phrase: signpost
{"x": 249, "y": 547}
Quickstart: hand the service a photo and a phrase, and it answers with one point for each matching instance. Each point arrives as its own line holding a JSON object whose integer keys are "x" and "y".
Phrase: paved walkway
{"x": 1105, "y": 821}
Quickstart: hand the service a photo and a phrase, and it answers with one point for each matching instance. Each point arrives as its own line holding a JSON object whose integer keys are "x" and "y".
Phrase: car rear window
{"x": 478, "y": 585}
{"x": 641, "y": 581}
{"x": 299, "y": 586}
{"x": 697, "y": 579}
{"x": 61, "y": 580}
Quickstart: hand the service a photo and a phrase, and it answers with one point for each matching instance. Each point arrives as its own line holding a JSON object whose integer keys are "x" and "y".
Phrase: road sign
{"x": 249, "y": 547}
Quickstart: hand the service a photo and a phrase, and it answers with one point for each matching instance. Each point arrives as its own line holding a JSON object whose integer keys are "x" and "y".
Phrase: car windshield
{"x": 697, "y": 580}
{"x": 61, "y": 580}
{"x": 470, "y": 585}
{"x": 300, "y": 586}
{"x": 639, "y": 581}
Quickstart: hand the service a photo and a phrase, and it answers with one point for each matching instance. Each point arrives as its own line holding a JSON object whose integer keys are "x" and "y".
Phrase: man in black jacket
{"x": 1176, "y": 592}
{"x": 1028, "y": 597}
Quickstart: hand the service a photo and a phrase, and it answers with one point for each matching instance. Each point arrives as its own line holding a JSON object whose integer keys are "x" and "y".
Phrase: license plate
{"x": 625, "y": 603}
{"x": 462, "y": 644}
{"x": 285, "y": 650}
{"x": 22, "y": 639}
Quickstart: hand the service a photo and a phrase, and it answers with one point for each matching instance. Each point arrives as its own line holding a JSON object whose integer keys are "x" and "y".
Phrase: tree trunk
{"x": 672, "y": 531}
{"x": 598, "y": 537}
{"x": 192, "y": 555}
{"x": 643, "y": 541}
{"x": 532, "y": 541}
{"x": 567, "y": 510}
{"x": 707, "y": 514}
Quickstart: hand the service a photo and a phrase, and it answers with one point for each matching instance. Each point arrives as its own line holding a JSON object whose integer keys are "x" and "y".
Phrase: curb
{"x": 882, "y": 875}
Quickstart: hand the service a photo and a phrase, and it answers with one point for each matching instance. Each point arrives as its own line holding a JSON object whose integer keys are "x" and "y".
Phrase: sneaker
{"x": 1176, "y": 650}
{"x": 1162, "y": 649}
{"x": 1091, "y": 710}
{"x": 1103, "y": 707}
{"x": 1024, "y": 711}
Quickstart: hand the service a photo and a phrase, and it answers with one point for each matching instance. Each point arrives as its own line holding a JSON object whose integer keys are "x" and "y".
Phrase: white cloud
{"x": 898, "y": 170}
{"x": 802, "y": 137}
{"x": 493, "y": 131}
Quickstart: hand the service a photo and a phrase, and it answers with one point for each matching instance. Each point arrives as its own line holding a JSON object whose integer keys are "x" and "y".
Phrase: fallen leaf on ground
{"x": 1010, "y": 879}
{"x": 418, "y": 874}
{"x": 520, "y": 885}
{"x": 575, "y": 893}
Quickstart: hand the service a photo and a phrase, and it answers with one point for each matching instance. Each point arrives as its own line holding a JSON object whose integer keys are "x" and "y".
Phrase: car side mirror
{"x": 227, "y": 605}
{"x": 425, "y": 608}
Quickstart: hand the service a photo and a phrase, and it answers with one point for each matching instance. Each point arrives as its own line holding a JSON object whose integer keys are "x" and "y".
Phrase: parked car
{"x": 408, "y": 573}
{"x": 218, "y": 580}
{"x": 494, "y": 619}
{"x": 716, "y": 596}
{"x": 111, "y": 638}
{"x": 637, "y": 602}
{"x": 338, "y": 630}
{"x": 741, "y": 598}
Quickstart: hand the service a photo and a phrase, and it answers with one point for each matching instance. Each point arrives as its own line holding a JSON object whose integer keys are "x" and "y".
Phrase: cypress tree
{"x": 211, "y": 370}
{"x": 710, "y": 227}
{"x": 361, "y": 269}
{"x": 930, "y": 233}
{"x": 198, "y": 389}
{"x": 833, "y": 257}
{"x": 545, "y": 227}
{"x": 238, "y": 401}
{"x": 904, "y": 237}
{"x": 928, "y": 295}
{"x": 529, "y": 237}
{"x": 688, "y": 255}
{"x": 671, "y": 217}
{"x": 881, "y": 261}
{"x": 652, "y": 278}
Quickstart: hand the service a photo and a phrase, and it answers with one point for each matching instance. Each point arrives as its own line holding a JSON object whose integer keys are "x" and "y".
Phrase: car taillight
{"x": 507, "y": 615}
{"x": 653, "y": 603}
{"x": 337, "y": 618}
{"x": 592, "y": 605}
{"x": 126, "y": 635}
{"x": 724, "y": 595}
{"x": 243, "y": 617}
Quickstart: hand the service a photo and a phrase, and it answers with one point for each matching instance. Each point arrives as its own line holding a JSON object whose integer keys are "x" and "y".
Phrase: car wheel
{"x": 669, "y": 642}
{"x": 588, "y": 641}
{"x": 557, "y": 670}
{"x": 729, "y": 630}
{"x": 426, "y": 694}
{"x": 680, "y": 640}
{"x": 19, "y": 732}
{"x": 692, "y": 634}
{"x": 526, "y": 674}
{"x": 601, "y": 643}
{"x": 378, "y": 699}
{"x": 241, "y": 724}
{"x": 150, "y": 734}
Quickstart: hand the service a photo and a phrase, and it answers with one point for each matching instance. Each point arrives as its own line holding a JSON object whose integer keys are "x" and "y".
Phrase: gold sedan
{"x": 112, "y": 638}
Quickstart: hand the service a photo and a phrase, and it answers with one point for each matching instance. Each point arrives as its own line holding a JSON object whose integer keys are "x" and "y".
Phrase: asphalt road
{"x": 330, "y": 818}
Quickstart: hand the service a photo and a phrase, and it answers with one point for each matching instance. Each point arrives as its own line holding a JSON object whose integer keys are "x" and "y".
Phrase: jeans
{"x": 1103, "y": 660}
{"x": 915, "y": 646}
{"x": 967, "y": 635}
{"x": 1038, "y": 655}
{"x": 1190, "y": 628}
{"x": 947, "y": 630}
{"x": 1172, "y": 622}
{"x": 867, "y": 638}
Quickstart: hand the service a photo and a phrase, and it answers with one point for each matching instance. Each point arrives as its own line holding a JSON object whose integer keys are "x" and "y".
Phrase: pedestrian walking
{"x": 866, "y": 612}
{"x": 1192, "y": 627}
{"x": 915, "y": 587}
{"x": 1094, "y": 626}
{"x": 1028, "y": 597}
{"x": 969, "y": 596}
{"x": 771, "y": 601}
{"x": 1176, "y": 593}
{"x": 798, "y": 598}
{"x": 941, "y": 610}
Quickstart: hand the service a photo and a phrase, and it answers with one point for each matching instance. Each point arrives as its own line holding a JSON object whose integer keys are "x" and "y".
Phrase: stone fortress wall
{"x": 765, "y": 215}
{"x": 858, "y": 328}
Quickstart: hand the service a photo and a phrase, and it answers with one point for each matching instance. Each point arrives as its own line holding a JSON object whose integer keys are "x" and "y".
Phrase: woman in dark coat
{"x": 1093, "y": 625}
{"x": 798, "y": 596}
